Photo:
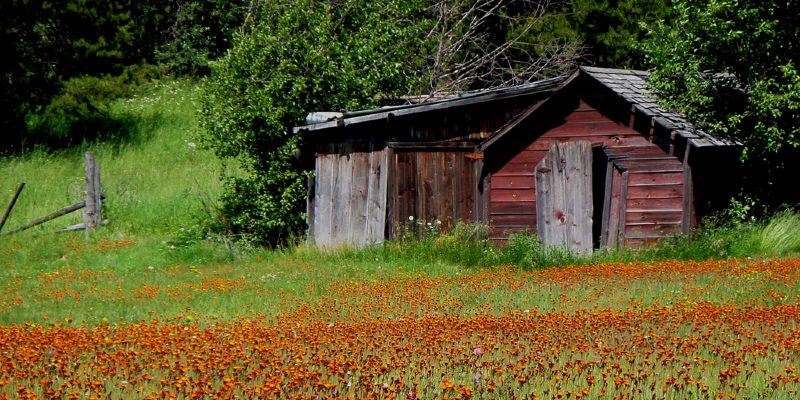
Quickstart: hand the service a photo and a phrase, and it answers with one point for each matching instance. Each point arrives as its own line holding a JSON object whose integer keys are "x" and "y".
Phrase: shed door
{"x": 564, "y": 196}
{"x": 349, "y": 204}
{"x": 430, "y": 184}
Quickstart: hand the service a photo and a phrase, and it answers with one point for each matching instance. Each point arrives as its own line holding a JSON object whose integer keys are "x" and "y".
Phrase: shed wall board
{"x": 564, "y": 197}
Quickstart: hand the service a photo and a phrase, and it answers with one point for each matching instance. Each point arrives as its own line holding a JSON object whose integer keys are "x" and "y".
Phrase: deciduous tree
{"x": 734, "y": 66}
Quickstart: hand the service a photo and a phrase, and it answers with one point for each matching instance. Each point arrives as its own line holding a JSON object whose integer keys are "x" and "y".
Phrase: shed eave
{"x": 378, "y": 114}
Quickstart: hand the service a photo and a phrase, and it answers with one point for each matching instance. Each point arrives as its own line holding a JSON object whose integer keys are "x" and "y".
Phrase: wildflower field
{"x": 284, "y": 328}
{"x": 160, "y": 305}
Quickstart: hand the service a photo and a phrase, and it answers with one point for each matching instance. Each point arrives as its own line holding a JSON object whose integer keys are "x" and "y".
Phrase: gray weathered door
{"x": 349, "y": 204}
{"x": 564, "y": 196}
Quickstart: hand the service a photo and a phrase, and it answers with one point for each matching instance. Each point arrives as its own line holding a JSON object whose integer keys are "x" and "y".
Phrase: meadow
{"x": 160, "y": 305}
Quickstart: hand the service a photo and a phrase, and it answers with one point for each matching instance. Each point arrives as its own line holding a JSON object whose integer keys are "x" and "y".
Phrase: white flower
{"x": 410, "y": 217}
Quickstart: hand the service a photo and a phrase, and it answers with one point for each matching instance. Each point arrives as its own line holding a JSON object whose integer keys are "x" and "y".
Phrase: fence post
{"x": 92, "y": 215}
{"x": 98, "y": 196}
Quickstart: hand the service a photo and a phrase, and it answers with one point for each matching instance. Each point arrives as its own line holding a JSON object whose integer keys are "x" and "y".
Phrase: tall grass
{"x": 780, "y": 235}
{"x": 466, "y": 245}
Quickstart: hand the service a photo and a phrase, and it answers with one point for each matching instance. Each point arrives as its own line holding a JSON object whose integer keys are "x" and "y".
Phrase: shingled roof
{"x": 631, "y": 85}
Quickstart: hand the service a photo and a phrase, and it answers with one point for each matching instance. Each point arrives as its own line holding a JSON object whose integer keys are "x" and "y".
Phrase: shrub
{"x": 298, "y": 56}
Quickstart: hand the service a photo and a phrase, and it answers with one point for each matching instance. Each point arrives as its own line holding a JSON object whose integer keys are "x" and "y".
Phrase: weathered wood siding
{"x": 349, "y": 202}
{"x": 564, "y": 193}
{"x": 432, "y": 185}
{"x": 470, "y": 123}
{"x": 650, "y": 203}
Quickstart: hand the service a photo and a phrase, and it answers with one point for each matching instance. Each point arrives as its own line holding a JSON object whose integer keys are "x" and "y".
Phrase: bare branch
{"x": 482, "y": 44}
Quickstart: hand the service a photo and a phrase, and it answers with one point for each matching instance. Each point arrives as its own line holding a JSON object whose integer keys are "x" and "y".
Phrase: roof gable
{"x": 631, "y": 85}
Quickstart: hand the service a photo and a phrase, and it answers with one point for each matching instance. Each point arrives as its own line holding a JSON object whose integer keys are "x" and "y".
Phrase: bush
{"x": 298, "y": 56}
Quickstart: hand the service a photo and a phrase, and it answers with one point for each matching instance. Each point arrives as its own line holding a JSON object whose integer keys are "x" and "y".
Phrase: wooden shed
{"x": 585, "y": 161}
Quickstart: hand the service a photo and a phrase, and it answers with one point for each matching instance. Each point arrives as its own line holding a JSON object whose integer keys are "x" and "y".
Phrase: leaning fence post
{"x": 11, "y": 205}
{"x": 93, "y": 203}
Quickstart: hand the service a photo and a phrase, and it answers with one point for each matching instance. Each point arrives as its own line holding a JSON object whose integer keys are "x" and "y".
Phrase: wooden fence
{"x": 92, "y": 216}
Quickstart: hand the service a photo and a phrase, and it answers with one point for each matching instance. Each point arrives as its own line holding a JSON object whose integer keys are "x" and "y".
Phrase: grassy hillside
{"x": 158, "y": 183}
{"x": 153, "y": 179}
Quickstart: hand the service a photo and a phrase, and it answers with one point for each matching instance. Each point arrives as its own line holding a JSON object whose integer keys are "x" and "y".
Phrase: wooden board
{"x": 564, "y": 197}
{"x": 359, "y": 197}
{"x": 342, "y": 194}
{"x": 654, "y": 217}
{"x": 376, "y": 199}
{"x": 515, "y": 168}
{"x": 514, "y": 182}
{"x": 655, "y": 191}
{"x": 638, "y": 178}
{"x": 614, "y": 206}
{"x": 642, "y": 204}
{"x": 513, "y": 208}
{"x": 349, "y": 205}
{"x": 651, "y": 165}
{"x": 513, "y": 195}
{"x": 514, "y": 220}
{"x": 600, "y": 128}
{"x": 325, "y": 172}
{"x": 610, "y": 140}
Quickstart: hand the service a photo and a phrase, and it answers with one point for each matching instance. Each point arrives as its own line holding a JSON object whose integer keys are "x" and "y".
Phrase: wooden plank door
{"x": 434, "y": 185}
{"x": 564, "y": 196}
{"x": 349, "y": 203}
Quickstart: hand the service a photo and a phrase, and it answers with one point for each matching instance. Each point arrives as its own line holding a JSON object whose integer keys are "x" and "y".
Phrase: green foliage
{"x": 57, "y": 51}
{"x": 609, "y": 30}
{"x": 200, "y": 31}
{"x": 733, "y": 66}
{"x": 27, "y": 78}
{"x": 82, "y": 111}
{"x": 524, "y": 251}
{"x": 466, "y": 245}
{"x": 300, "y": 56}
